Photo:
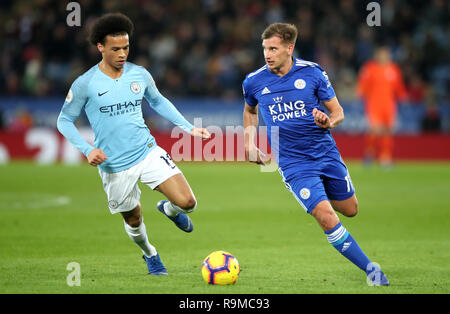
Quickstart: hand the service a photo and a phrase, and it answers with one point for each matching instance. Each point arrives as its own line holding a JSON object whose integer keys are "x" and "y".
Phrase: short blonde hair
{"x": 287, "y": 32}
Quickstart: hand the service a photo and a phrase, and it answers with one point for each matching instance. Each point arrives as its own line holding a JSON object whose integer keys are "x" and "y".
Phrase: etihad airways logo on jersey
{"x": 284, "y": 111}
{"x": 121, "y": 108}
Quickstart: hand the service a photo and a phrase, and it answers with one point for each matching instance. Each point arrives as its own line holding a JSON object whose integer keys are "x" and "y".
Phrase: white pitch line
{"x": 31, "y": 201}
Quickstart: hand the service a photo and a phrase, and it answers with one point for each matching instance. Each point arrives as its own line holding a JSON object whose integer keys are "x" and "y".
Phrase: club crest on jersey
{"x": 300, "y": 84}
{"x": 305, "y": 193}
{"x": 135, "y": 87}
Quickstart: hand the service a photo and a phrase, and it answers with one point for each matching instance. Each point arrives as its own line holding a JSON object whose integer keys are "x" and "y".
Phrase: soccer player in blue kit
{"x": 289, "y": 92}
{"x": 124, "y": 151}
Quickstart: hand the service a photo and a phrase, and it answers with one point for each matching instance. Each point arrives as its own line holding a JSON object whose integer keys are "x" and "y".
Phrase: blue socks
{"x": 347, "y": 246}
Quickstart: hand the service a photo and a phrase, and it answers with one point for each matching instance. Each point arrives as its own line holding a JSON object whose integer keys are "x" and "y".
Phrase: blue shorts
{"x": 314, "y": 181}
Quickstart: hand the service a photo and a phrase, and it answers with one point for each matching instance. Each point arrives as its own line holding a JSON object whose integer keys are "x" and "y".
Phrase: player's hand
{"x": 321, "y": 119}
{"x": 96, "y": 157}
{"x": 255, "y": 155}
{"x": 200, "y": 132}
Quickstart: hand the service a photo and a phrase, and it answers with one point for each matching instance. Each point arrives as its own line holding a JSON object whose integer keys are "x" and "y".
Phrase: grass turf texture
{"x": 53, "y": 215}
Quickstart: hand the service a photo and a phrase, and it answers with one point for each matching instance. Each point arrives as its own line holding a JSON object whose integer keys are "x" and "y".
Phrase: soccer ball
{"x": 220, "y": 268}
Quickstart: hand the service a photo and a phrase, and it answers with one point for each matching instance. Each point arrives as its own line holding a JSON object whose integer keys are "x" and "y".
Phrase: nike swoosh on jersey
{"x": 101, "y": 94}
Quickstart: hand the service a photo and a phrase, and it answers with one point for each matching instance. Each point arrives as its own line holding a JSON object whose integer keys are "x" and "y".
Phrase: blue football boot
{"x": 181, "y": 220}
{"x": 155, "y": 266}
{"x": 377, "y": 278}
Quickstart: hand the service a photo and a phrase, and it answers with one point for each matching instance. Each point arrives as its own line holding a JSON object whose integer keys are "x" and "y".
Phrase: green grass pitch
{"x": 53, "y": 215}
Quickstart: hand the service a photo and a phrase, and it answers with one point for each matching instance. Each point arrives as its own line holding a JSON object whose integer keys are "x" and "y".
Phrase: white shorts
{"x": 122, "y": 187}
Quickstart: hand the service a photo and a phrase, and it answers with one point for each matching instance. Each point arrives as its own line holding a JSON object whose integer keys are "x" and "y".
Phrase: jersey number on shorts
{"x": 349, "y": 183}
{"x": 168, "y": 161}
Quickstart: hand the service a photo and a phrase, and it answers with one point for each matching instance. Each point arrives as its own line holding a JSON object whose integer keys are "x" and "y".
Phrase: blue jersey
{"x": 113, "y": 108}
{"x": 286, "y": 104}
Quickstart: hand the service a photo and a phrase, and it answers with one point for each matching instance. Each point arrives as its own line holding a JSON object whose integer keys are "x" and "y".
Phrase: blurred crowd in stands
{"x": 204, "y": 48}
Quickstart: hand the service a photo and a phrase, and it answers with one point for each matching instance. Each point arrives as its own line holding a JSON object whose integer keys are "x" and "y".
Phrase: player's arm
{"x": 75, "y": 101}
{"x": 335, "y": 114}
{"x": 326, "y": 94}
{"x": 250, "y": 124}
{"x": 166, "y": 109}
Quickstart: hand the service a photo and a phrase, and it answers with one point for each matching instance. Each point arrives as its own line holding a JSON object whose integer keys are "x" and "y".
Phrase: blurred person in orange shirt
{"x": 380, "y": 85}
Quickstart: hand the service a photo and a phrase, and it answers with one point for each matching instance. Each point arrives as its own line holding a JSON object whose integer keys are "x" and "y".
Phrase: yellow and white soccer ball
{"x": 220, "y": 268}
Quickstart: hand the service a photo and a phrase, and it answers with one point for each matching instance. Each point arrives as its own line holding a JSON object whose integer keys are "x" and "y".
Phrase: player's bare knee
{"x": 133, "y": 221}
{"x": 133, "y": 218}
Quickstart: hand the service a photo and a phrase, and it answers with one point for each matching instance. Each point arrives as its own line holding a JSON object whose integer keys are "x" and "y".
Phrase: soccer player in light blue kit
{"x": 125, "y": 152}
{"x": 289, "y": 92}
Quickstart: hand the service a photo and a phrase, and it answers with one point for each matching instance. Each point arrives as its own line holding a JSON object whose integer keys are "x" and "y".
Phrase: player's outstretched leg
{"x": 181, "y": 201}
{"x": 345, "y": 244}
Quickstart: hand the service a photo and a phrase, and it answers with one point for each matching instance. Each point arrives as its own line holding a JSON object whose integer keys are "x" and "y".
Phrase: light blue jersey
{"x": 113, "y": 108}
